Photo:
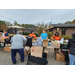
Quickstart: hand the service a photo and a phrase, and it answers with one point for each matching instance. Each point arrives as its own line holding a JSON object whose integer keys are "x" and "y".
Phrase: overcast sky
{"x": 33, "y": 16}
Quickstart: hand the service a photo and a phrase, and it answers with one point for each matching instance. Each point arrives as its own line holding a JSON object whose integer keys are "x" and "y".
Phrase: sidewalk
{"x": 5, "y": 59}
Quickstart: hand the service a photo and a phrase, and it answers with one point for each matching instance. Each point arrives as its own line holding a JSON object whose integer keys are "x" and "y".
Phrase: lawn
{"x": 15, "y": 34}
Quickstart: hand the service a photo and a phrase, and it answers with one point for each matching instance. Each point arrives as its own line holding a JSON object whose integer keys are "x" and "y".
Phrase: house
{"x": 63, "y": 29}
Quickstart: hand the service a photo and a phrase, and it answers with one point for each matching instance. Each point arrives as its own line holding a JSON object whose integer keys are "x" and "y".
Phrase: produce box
{"x": 60, "y": 57}
{"x": 37, "y": 51}
{"x": 8, "y": 45}
{"x": 45, "y": 43}
{"x": 26, "y": 50}
{"x": 55, "y": 43}
{"x": 8, "y": 49}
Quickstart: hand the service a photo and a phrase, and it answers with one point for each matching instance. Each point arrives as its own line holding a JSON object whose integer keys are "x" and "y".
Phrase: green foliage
{"x": 27, "y": 33}
{"x": 50, "y": 35}
{"x": 37, "y": 35}
{"x": 2, "y": 22}
{"x": 66, "y": 37}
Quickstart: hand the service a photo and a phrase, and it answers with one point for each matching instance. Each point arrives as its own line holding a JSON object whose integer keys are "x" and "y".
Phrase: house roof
{"x": 63, "y": 25}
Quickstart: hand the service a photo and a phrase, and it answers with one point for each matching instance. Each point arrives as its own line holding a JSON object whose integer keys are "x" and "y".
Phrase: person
{"x": 44, "y": 35}
{"x": 56, "y": 37}
{"x": 32, "y": 34}
{"x": 5, "y": 35}
{"x": 71, "y": 46}
{"x": 17, "y": 42}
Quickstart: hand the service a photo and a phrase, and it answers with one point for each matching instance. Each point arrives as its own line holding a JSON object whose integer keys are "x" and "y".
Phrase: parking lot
{"x": 5, "y": 59}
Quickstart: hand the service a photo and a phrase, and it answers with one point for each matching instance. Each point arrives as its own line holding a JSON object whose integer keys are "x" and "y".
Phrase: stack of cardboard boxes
{"x": 59, "y": 56}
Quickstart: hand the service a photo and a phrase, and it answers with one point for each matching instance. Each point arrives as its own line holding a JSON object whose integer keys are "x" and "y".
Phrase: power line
{"x": 9, "y": 18}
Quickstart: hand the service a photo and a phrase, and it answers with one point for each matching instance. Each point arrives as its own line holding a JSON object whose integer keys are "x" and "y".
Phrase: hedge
{"x": 27, "y": 33}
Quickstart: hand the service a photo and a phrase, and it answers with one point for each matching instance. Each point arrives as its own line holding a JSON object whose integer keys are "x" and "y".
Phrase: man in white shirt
{"x": 17, "y": 46}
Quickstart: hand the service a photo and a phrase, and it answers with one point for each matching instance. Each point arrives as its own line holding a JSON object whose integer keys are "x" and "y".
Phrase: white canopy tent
{"x": 15, "y": 26}
{"x": 14, "y": 29}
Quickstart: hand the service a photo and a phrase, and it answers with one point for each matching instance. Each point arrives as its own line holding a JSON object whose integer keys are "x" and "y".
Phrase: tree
{"x": 15, "y": 23}
{"x": 68, "y": 22}
{"x": 73, "y": 22}
{"x": 40, "y": 27}
{"x": 2, "y": 25}
{"x": 60, "y": 23}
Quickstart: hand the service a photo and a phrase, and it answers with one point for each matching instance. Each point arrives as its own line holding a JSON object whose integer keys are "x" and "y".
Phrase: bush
{"x": 66, "y": 37}
{"x": 50, "y": 35}
{"x": 23, "y": 33}
{"x": 27, "y": 33}
{"x": 36, "y": 34}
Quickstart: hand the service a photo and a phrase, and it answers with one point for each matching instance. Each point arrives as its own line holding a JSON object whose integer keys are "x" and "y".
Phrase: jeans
{"x": 72, "y": 59}
{"x": 13, "y": 54}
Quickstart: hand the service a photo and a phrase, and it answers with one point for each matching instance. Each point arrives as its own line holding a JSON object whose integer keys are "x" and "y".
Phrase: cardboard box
{"x": 37, "y": 51}
{"x": 26, "y": 50}
{"x": 45, "y": 51}
{"x": 8, "y": 49}
{"x": 34, "y": 40}
{"x": 57, "y": 44}
{"x": 60, "y": 57}
{"x": 45, "y": 43}
{"x": 8, "y": 45}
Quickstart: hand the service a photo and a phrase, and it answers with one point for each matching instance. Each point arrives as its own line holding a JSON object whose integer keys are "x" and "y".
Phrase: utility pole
{"x": 51, "y": 20}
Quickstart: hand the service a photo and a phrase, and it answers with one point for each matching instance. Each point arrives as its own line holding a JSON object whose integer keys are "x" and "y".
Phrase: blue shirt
{"x": 44, "y": 35}
{"x": 6, "y": 34}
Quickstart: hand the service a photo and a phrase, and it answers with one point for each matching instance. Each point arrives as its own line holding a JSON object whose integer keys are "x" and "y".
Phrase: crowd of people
{"x": 18, "y": 40}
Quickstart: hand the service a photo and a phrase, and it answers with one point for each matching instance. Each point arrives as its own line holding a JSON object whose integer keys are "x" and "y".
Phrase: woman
{"x": 32, "y": 35}
{"x": 44, "y": 35}
{"x": 56, "y": 37}
{"x": 71, "y": 45}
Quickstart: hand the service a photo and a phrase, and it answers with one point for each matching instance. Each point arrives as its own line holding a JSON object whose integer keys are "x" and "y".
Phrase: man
{"x": 32, "y": 35}
{"x": 71, "y": 46}
{"x": 17, "y": 46}
{"x": 4, "y": 35}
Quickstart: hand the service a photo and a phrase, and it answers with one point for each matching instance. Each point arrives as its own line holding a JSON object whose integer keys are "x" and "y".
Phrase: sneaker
{"x": 14, "y": 62}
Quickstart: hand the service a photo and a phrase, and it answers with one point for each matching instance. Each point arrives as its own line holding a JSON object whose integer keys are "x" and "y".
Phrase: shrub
{"x": 50, "y": 35}
{"x": 27, "y": 33}
{"x": 36, "y": 34}
{"x": 66, "y": 37}
{"x": 23, "y": 33}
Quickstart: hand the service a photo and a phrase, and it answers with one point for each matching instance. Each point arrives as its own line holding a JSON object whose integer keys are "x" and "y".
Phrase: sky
{"x": 33, "y": 16}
